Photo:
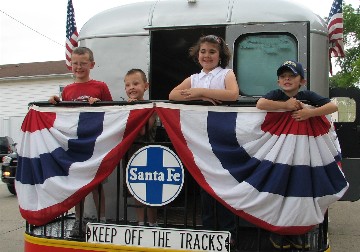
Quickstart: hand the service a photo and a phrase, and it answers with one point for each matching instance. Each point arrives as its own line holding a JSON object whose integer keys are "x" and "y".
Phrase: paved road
{"x": 12, "y": 225}
{"x": 344, "y": 225}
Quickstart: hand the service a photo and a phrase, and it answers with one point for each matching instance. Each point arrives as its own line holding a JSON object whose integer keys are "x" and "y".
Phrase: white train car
{"x": 156, "y": 35}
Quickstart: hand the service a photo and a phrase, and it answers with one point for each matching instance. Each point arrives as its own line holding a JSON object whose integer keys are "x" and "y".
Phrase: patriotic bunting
{"x": 277, "y": 173}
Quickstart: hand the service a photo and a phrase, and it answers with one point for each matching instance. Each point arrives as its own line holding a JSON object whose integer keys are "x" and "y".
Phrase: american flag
{"x": 71, "y": 33}
{"x": 335, "y": 27}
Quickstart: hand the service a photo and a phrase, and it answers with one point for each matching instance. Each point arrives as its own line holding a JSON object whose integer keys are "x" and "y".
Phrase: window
{"x": 346, "y": 109}
{"x": 258, "y": 56}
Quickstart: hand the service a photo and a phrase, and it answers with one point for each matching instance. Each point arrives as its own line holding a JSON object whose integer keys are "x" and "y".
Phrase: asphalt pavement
{"x": 12, "y": 225}
{"x": 344, "y": 225}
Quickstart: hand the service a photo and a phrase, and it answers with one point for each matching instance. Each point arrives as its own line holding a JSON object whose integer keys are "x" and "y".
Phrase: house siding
{"x": 17, "y": 94}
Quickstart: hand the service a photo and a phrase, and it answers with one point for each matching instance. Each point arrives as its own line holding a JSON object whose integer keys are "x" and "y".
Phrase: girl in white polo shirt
{"x": 214, "y": 83}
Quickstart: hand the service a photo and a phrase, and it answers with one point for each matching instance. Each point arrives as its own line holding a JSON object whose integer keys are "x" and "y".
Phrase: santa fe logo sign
{"x": 155, "y": 175}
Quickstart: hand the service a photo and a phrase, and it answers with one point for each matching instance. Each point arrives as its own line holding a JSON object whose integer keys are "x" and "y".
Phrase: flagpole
{"x": 71, "y": 34}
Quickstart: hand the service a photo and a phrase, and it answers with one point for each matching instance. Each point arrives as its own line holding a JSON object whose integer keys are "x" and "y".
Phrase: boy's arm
{"x": 306, "y": 113}
{"x": 54, "y": 99}
{"x": 266, "y": 104}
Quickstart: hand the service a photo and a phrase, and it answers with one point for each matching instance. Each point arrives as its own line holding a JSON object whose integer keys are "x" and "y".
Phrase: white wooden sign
{"x": 165, "y": 238}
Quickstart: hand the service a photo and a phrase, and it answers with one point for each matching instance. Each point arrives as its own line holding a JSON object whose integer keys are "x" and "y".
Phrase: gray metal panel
{"x": 114, "y": 56}
{"x": 210, "y": 12}
{"x": 127, "y": 28}
{"x": 181, "y": 13}
{"x": 314, "y": 59}
{"x": 299, "y": 30}
{"x": 258, "y": 11}
{"x": 134, "y": 18}
{"x": 319, "y": 64}
{"x": 120, "y": 21}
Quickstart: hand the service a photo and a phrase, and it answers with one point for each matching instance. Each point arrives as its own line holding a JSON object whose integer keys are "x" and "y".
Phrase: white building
{"x": 23, "y": 83}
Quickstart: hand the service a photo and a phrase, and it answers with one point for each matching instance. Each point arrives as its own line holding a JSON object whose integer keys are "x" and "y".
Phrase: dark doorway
{"x": 170, "y": 63}
{"x": 348, "y": 132}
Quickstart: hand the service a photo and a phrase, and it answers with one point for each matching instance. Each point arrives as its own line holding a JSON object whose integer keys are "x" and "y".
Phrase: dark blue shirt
{"x": 305, "y": 95}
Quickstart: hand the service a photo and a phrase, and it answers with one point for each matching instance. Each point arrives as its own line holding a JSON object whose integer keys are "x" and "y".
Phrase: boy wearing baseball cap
{"x": 288, "y": 97}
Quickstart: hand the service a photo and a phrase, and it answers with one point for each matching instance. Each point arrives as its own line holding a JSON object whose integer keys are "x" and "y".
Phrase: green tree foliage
{"x": 349, "y": 75}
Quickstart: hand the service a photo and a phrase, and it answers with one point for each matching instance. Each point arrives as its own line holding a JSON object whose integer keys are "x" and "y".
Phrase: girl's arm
{"x": 183, "y": 92}
{"x": 176, "y": 95}
{"x": 230, "y": 93}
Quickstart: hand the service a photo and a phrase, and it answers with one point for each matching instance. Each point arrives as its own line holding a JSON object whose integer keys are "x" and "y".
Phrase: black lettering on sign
{"x": 182, "y": 240}
{"x": 104, "y": 234}
{"x": 220, "y": 245}
{"x": 94, "y": 234}
{"x": 127, "y": 236}
{"x": 211, "y": 242}
{"x": 161, "y": 238}
{"x": 202, "y": 241}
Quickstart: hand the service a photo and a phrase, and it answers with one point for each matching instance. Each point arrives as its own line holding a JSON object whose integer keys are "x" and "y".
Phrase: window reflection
{"x": 346, "y": 109}
{"x": 257, "y": 57}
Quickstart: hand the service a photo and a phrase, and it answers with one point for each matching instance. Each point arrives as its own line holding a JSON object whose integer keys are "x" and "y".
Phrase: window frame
{"x": 299, "y": 30}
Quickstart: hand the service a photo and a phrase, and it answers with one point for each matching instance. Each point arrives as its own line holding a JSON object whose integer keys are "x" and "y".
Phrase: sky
{"x": 34, "y": 30}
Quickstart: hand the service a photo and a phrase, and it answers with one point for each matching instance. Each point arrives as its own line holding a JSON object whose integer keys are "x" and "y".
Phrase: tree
{"x": 349, "y": 75}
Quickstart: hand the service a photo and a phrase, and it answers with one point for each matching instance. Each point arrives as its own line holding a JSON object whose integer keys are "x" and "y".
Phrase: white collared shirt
{"x": 215, "y": 79}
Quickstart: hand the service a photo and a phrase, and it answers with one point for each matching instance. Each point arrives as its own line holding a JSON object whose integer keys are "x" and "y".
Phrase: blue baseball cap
{"x": 293, "y": 66}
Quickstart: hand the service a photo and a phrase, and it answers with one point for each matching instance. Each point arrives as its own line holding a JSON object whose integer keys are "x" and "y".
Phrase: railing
{"x": 183, "y": 213}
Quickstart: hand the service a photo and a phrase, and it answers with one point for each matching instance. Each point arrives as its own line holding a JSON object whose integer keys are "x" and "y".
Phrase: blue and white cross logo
{"x": 155, "y": 175}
